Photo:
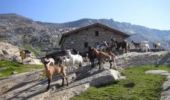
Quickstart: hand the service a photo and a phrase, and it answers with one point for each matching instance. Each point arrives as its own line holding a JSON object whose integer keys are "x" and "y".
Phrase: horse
{"x": 75, "y": 58}
{"x": 157, "y": 45}
{"x": 113, "y": 44}
{"x": 92, "y": 56}
{"x": 136, "y": 45}
{"x": 54, "y": 69}
{"x": 101, "y": 56}
{"x": 144, "y": 46}
{"x": 123, "y": 45}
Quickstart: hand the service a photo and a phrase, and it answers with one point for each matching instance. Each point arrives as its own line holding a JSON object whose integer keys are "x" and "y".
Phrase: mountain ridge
{"x": 21, "y": 30}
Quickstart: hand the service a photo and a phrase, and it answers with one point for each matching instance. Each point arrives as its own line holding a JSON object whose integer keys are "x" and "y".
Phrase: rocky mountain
{"x": 25, "y": 32}
{"x": 22, "y": 31}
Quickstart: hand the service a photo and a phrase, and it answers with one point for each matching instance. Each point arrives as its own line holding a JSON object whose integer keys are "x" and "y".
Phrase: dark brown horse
{"x": 136, "y": 45}
{"x": 122, "y": 45}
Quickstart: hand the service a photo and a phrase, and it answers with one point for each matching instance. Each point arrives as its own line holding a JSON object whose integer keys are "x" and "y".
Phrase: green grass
{"x": 143, "y": 86}
{"x": 10, "y": 66}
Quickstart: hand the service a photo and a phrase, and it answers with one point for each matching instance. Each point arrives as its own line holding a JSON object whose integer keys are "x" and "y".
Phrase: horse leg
{"x": 126, "y": 49}
{"x": 114, "y": 61}
{"x": 110, "y": 64}
{"x": 99, "y": 63}
{"x": 65, "y": 77}
{"x": 92, "y": 63}
{"x": 80, "y": 64}
{"x": 49, "y": 76}
{"x": 49, "y": 81}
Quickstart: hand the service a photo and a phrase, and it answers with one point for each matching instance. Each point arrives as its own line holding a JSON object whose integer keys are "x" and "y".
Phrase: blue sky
{"x": 149, "y": 13}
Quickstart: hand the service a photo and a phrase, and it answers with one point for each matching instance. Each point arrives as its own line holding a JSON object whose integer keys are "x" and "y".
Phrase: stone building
{"x": 90, "y": 35}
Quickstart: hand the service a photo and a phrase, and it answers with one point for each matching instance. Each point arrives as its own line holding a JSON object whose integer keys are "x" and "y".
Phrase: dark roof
{"x": 88, "y": 26}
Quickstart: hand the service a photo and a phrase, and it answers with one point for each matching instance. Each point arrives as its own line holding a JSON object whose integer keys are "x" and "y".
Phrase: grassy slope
{"x": 147, "y": 86}
{"x": 14, "y": 66}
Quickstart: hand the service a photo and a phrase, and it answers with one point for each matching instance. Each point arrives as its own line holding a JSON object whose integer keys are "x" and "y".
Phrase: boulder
{"x": 33, "y": 61}
{"x": 146, "y": 58}
{"x": 101, "y": 78}
{"x": 9, "y": 52}
{"x": 159, "y": 72}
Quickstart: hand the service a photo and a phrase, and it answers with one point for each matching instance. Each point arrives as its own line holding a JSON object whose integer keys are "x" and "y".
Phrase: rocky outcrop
{"x": 32, "y": 60}
{"x": 9, "y": 52}
{"x": 138, "y": 59}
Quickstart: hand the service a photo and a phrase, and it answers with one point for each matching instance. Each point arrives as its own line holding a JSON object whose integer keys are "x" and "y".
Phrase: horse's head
{"x": 44, "y": 60}
{"x": 94, "y": 51}
{"x": 75, "y": 51}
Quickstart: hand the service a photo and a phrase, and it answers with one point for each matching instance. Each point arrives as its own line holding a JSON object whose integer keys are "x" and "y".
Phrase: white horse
{"x": 144, "y": 45}
{"x": 75, "y": 58}
{"x": 157, "y": 45}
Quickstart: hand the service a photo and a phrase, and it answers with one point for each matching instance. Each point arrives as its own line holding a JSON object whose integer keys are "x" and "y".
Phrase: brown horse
{"x": 54, "y": 69}
{"x": 101, "y": 56}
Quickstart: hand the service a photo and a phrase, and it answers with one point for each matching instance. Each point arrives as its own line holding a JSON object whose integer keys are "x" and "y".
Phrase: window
{"x": 96, "y": 33}
{"x": 86, "y": 44}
